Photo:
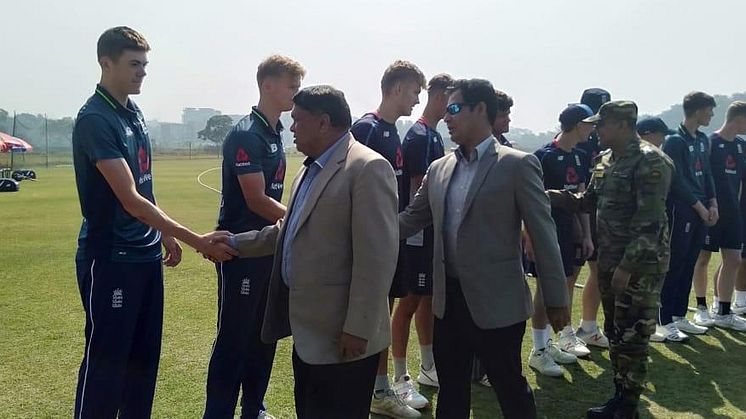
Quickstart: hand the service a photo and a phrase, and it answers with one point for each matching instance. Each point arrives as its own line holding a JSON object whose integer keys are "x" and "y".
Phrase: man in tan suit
{"x": 476, "y": 198}
{"x": 335, "y": 255}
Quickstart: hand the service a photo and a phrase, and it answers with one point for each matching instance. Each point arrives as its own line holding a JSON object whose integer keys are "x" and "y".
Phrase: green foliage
{"x": 216, "y": 129}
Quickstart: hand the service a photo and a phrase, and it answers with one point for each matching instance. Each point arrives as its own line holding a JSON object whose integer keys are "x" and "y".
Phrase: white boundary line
{"x": 199, "y": 179}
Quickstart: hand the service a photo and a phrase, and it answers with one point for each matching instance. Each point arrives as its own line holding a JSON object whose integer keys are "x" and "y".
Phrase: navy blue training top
{"x": 422, "y": 145}
{"x": 562, "y": 170}
{"x": 727, "y": 166}
{"x": 692, "y": 179}
{"x": 383, "y": 138}
{"x": 251, "y": 146}
{"x": 105, "y": 130}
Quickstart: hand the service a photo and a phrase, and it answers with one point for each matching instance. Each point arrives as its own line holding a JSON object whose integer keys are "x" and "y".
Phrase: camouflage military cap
{"x": 618, "y": 109}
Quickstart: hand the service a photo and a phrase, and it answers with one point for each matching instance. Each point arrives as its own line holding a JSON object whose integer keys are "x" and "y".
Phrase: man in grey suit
{"x": 476, "y": 198}
{"x": 335, "y": 255}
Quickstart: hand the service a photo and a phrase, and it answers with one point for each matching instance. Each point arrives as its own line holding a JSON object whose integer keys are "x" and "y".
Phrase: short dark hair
{"x": 736, "y": 109}
{"x": 401, "y": 71}
{"x": 475, "y": 91}
{"x": 439, "y": 83}
{"x": 504, "y": 102}
{"x": 325, "y": 99}
{"x": 114, "y": 41}
{"x": 695, "y": 101}
{"x": 277, "y": 65}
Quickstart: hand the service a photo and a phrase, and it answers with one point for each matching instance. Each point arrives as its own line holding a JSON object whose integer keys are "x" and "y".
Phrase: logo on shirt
{"x": 399, "y": 158}
{"x": 273, "y": 148}
{"x": 143, "y": 161}
{"x": 277, "y": 185}
{"x": 698, "y": 168}
{"x": 128, "y": 131}
{"x": 701, "y": 147}
{"x": 730, "y": 165}
{"x": 117, "y": 298}
{"x": 242, "y": 158}
{"x": 386, "y": 134}
{"x": 571, "y": 178}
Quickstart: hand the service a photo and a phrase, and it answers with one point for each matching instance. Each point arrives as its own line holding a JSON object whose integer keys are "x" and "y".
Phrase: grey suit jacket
{"x": 507, "y": 189}
{"x": 343, "y": 259}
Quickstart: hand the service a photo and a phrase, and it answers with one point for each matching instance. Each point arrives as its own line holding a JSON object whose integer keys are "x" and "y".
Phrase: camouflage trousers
{"x": 630, "y": 319}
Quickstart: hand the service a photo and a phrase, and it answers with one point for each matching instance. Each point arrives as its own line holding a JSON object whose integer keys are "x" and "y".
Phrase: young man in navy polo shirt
{"x": 692, "y": 207}
{"x": 422, "y": 145}
{"x": 401, "y": 85}
{"x": 564, "y": 167}
{"x": 253, "y": 178}
{"x": 119, "y": 247}
{"x": 588, "y": 331}
{"x": 727, "y": 160}
{"x": 653, "y": 130}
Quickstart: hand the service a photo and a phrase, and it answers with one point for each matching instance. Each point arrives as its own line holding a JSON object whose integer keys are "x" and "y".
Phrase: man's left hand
{"x": 351, "y": 347}
{"x": 173, "y": 251}
{"x": 588, "y": 247}
{"x": 620, "y": 280}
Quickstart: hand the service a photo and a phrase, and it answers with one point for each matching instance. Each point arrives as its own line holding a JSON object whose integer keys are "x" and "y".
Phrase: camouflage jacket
{"x": 629, "y": 195}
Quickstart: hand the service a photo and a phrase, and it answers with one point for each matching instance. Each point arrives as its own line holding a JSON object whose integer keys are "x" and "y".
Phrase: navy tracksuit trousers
{"x": 123, "y": 303}
{"x": 240, "y": 360}
{"x": 687, "y": 238}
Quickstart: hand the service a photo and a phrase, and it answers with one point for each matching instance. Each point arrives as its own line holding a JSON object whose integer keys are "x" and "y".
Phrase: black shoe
{"x": 606, "y": 410}
{"x": 626, "y": 410}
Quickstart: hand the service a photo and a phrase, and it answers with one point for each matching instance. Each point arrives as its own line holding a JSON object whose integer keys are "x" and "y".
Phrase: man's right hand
{"x": 215, "y": 246}
{"x": 559, "y": 317}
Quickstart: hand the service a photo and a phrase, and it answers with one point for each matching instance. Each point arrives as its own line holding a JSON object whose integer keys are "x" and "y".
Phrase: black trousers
{"x": 334, "y": 391}
{"x": 239, "y": 359}
{"x": 456, "y": 341}
{"x": 123, "y": 303}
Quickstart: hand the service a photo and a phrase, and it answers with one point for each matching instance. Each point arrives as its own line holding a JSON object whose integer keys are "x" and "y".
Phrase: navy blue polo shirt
{"x": 105, "y": 130}
{"x": 562, "y": 170}
{"x": 727, "y": 166}
{"x": 421, "y": 146}
{"x": 504, "y": 141}
{"x": 692, "y": 179}
{"x": 382, "y": 137}
{"x": 251, "y": 146}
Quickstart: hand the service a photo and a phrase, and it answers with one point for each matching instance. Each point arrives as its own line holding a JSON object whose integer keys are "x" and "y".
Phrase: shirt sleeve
{"x": 676, "y": 150}
{"x": 363, "y": 132}
{"x": 415, "y": 153}
{"x": 97, "y": 139}
{"x": 245, "y": 152}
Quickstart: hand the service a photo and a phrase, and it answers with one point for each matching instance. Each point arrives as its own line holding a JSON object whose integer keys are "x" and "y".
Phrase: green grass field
{"x": 41, "y": 322}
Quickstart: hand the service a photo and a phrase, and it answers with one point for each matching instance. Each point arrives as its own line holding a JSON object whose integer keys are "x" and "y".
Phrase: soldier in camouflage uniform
{"x": 628, "y": 189}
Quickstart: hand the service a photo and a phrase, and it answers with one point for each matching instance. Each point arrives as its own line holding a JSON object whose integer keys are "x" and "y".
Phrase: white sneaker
{"x": 406, "y": 391}
{"x": 683, "y": 324}
{"x": 669, "y": 333}
{"x": 558, "y": 355}
{"x": 730, "y": 321}
{"x": 594, "y": 338}
{"x": 702, "y": 318}
{"x": 738, "y": 309}
{"x": 543, "y": 363}
{"x": 428, "y": 377}
{"x": 264, "y": 415}
{"x": 568, "y": 342}
{"x": 485, "y": 381}
{"x": 390, "y": 404}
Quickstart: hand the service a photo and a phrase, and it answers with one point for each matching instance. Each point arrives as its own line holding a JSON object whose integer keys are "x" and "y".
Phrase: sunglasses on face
{"x": 455, "y": 108}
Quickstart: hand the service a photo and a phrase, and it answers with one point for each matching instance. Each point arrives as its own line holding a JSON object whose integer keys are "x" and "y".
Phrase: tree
{"x": 216, "y": 129}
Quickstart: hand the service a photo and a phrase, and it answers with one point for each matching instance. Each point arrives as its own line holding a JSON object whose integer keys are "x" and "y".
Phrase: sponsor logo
{"x": 571, "y": 176}
{"x": 577, "y": 160}
{"x": 246, "y": 286}
{"x": 242, "y": 158}
{"x": 421, "y": 280}
{"x": 698, "y": 168}
{"x": 399, "y": 158}
{"x": 143, "y": 159}
{"x": 128, "y": 132}
{"x": 701, "y": 147}
{"x": 280, "y": 172}
{"x": 117, "y": 298}
{"x": 386, "y": 134}
{"x": 273, "y": 148}
{"x": 730, "y": 165}
{"x": 691, "y": 148}
{"x": 560, "y": 158}
{"x": 147, "y": 177}
{"x": 276, "y": 186}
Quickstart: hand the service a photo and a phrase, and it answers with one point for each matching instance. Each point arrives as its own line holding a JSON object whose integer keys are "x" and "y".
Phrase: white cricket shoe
{"x": 668, "y": 333}
{"x": 688, "y": 327}
{"x": 543, "y": 363}
{"x": 593, "y": 338}
{"x": 568, "y": 342}
{"x": 406, "y": 391}
{"x": 390, "y": 404}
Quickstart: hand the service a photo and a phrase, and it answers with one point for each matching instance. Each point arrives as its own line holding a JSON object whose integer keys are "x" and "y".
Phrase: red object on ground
{"x": 9, "y": 142}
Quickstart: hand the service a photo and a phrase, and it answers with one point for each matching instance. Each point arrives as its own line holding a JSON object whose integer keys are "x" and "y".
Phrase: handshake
{"x": 216, "y": 246}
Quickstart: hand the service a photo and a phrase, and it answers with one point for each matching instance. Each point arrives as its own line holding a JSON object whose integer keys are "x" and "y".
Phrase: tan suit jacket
{"x": 507, "y": 189}
{"x": 343, "y": 258}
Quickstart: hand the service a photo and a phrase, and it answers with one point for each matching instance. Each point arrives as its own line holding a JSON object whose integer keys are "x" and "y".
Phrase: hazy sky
{"x": 542, "y": 52}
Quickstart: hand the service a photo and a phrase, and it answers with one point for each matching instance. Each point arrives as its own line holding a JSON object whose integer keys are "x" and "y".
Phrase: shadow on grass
{"x": 706, "y": 375}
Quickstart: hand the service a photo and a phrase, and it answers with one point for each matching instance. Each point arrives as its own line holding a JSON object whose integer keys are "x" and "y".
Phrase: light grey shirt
{"x": 458, "y": 188}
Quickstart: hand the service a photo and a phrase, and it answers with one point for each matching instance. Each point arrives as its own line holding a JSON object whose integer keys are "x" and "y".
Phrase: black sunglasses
{"x": 455, "y": 108}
